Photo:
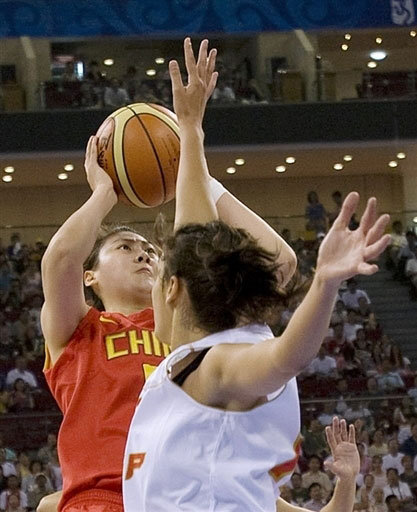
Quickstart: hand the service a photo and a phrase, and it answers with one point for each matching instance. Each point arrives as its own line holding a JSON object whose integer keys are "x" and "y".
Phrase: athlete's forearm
{"x": 236, "y": 214}
{"x": 76, "y": 237}
{"x": 307, "y": 328}
{"x": 343, "y": 497}
{"x": 194, "y": 203}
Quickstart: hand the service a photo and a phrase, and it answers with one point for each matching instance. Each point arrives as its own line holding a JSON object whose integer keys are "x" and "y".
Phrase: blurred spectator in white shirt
{"x": 115, "y": 96}
{"x": 393, "y": 459}
{"x": 351, "y": 296}
{"x": 21, "y": 372}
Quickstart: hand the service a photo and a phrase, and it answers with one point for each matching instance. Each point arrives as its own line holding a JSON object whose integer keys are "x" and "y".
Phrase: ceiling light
{"x": 62, "y": 176}
{"x": 348, "y": 37}
{"x": 7, "y": 178}
{"x": 415, "y": 220}
{"x": 231, "y": 170}
{"x": 393, "y": 163}
{"x": 290, "y": 160}
{"x": 151, "y": 72}
{"x": 9, "y": 169}
{"x": 348, "y": 158}
{"x": 378, "y": 40}
{"x": 108, "y": 62}
{"x": 338, "y": 166}
{"x": 159, "y": 60}
{"x": 401, "y": 155}
{"x": 378, "y": 55}
{"x": 240, "y": 161}
{"x": 345, "y": 47}
{"x": 68, "y": 167}
{"x": 372, "y": 64}
{"x": 413, "y": 33}
{"x": 280, "y": 168}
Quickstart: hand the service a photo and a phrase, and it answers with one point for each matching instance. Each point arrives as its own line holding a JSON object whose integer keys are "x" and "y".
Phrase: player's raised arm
{"x": 194, "y": 203}
{"x": 345, "y": 466}
{"x": 62, "y": 264}
{"x": 272, "y": 363}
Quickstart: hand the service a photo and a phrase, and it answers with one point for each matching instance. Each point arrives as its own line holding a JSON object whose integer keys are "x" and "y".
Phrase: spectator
{"x": 29, "y": 481}
{"x": 339, "y": 314}
{"x": 145, "y": 94}
{"x": 22, "y": 323}
{"x": 365, "y": 461}
{"x": 403, "y": 412}
{"x": 351, "y": 326}
{"x": 393, "y": 459}
{"x": 338, "y": 201}
{"x": 8, "y": 468}
{"x": 13, "y": 489}
{"x": 315, "y": 214}
{"x": 351, "y": 296}
{"x": 409, "y": 475}
{"x": 13, "y": 504}
{"x": 323, "y": 366}
{"x": 23, "y": 466}
{"x": 115, "y": 96}
{"x": 335, "y": 342}
{"x": 4, "y": 399}
{"x": 223, "y": 93}
{"x": 131, "y": 82}
{"x": 21, "y": 372}
{"x": 298, "y": 492}
{"x": 315, "y": 475}
{"x": 314, "y": 441}
{"x": 397, "y": 488}
{"x": 347, "y": 362}
{"x": 94, "y": 74}
{"x": 364, "y": 310}
{"x": 316, "y": 501}
{"x": 387, "y": 379}
{"x": 380, "y": 476}
{"x": 411, "y": 270}
{"x": 31, "y": 279}
{"x": 326, "y": 417}
{"x": 46, "y": 453}
{"x": 20, "y": 398}
{"x": 405, "y": 254}
{"x": 38, "y": 491}
{"x": 393, "y": 504}
{"x": 358, "y": 411}
{"x": 8, "y": 349}
{"x": 3, "y": 480}
{"x": 10, "y": 454}
{"x": 399, "y": 361}
{"x": 409, "y": 446}
{"x": 378, "y": 501}
{"x": 285, "y": 494}
{"x": 69, "y": 75}
{"x": 412, "y": 392}
{"x": 372, "y": 388}
{"x": 35, "y": 312}
{"x": 398, "y": 241}
{"x": 54, "y": 470}
{"x": 364, "y": 494}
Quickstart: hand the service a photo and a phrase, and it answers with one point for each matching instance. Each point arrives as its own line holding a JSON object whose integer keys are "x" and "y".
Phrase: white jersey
{"x": 184, "y": 456}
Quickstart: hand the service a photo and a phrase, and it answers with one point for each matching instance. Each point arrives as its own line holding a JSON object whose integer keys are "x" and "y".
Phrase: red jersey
{"x": 96, "y": 382}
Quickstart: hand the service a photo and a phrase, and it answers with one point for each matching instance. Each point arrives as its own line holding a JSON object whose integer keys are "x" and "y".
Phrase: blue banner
{"x": 172, "y": 18}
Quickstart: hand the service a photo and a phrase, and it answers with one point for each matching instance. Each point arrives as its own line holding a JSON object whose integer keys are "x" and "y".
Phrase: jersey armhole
{"x": 47, "y": 365}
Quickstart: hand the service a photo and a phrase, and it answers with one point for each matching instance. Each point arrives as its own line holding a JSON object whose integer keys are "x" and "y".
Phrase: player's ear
{"x": 173, "y": 289}
{"x": 89, "y": 278}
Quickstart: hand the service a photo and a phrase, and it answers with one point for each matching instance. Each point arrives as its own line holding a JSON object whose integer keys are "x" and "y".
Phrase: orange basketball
{"x": 139, "y": 147}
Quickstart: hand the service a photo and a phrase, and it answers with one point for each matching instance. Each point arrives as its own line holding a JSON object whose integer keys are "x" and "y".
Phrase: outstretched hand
{"x": 345, "y": 253}
{"x": 345, "y": 463}
{"x": 96, "y": 175}
{"x": 190, "y": 100}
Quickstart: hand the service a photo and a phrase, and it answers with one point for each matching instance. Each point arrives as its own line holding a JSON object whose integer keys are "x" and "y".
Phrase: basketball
{"x": 139, "y": 147}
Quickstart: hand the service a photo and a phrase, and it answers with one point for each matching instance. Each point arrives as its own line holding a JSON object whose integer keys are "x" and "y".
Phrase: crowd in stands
{"x": 96, "y": 90}
{"x": 359, "y": 374}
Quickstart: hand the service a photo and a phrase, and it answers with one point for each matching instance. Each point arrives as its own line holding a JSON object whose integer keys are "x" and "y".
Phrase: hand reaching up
{"x": 190, "y": 100}
{"x": 345, "y": 253}
{"x": 345, "y": 463}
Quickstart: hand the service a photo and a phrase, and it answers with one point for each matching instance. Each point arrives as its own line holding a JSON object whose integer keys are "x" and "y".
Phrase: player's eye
{"x": 125, "y": 247}
{"x": 150, "y": 250}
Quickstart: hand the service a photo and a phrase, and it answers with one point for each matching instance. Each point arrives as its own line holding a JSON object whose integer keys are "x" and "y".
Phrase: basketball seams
{"x": 127, "y": 174}
{"x": 161, "y": 172}
{"x": 121, "y": 171}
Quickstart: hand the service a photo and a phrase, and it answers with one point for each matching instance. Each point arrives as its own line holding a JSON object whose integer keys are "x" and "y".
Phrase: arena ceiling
{"x": 41, "y": 170}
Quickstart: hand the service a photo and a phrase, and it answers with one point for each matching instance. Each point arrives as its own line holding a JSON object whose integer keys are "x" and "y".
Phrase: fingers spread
{"x": 330, "y": 438}
{"x": 349, "y": 206}
{"x": 373, "y": 251}
{"x": 175, "y": 74}
{"x": 202, "y": 60}
{"x": 369, "y": 216}
{"x": 212, "y": 84}
{"x": 377, "y": 230}
{"x": 211, "y": 64}
{"x": 352, "y": 434}
{"x": 190, "y": 63}
{"x": 343, "y": 430}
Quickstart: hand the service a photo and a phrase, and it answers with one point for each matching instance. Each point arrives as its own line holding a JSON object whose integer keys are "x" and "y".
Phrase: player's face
{"x": 125, "y": 270}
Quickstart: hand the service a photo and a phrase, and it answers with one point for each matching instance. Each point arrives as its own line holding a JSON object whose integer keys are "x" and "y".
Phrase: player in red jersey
{"x": 97, "y": 361}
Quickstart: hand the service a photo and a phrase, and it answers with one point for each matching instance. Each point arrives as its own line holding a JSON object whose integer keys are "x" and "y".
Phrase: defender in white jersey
{"x": 201, "y": 436}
